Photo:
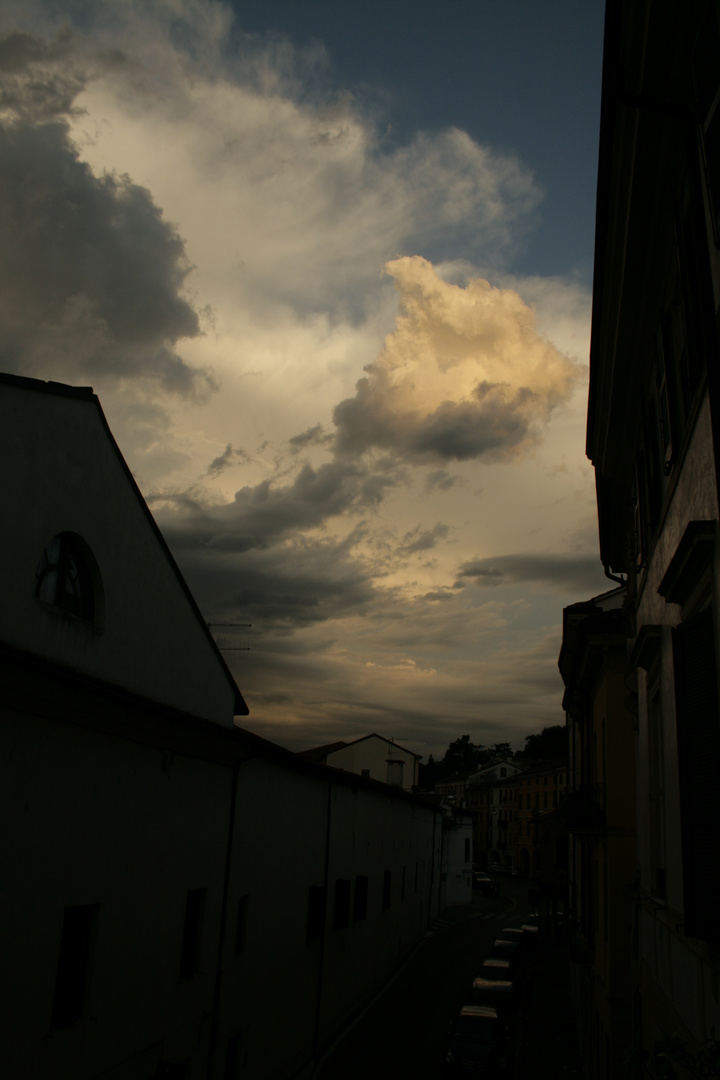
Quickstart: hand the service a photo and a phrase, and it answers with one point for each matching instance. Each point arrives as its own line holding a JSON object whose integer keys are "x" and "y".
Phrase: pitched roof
{"x": 319, "y": 753}
{"x": 85, "y": 393}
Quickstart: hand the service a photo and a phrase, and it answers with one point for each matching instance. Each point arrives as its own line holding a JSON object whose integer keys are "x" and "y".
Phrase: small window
{"x": 171, "y": 1070}
{"x": 361, "y": 898}
{"x": 66, "y": 577}
{"x": 190, "y": 952}
{"x": 365, "y": 773}
{"x": 341, "y": 917}
{"x": 232, "y": 1057}
{"x": 73, "y": 968}
{"x": 316, "y": 912}
{"x": 387, "y": 885}
{"x": 240, "y": 924}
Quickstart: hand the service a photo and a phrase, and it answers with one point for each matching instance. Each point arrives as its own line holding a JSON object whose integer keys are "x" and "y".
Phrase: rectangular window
{"x": 341, "y": 916}
{"x": 316, "y": 912}
{"x": 467, "y": 851}
{"x": 232, "y": 1058}
{"x": 73, "y": 970}
{"x": 707, "y": 90}
{"x": 698, "y": 741}
{"x": 240, "y": 924}
{"x": 387, "y": 885}
{"x": 192, "y": 932}
{"x": 361, "y": 897}
{"x": 171, "y": 1070}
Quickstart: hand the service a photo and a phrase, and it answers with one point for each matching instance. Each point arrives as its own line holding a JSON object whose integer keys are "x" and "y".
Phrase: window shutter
{"x": 698, "y": 739}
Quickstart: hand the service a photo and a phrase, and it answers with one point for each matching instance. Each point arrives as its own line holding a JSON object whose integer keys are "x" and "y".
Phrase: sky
{"x": 328, "y": 268}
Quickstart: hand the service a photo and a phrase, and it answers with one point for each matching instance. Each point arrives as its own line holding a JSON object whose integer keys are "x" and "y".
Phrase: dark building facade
{"x": 654, "y": 439}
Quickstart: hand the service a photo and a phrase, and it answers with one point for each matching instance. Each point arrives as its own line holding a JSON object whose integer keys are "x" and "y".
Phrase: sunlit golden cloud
{"x": 463, "y": 375}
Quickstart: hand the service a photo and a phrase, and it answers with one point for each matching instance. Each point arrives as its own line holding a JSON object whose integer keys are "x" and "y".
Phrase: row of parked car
{"x": 480, "y": 1037}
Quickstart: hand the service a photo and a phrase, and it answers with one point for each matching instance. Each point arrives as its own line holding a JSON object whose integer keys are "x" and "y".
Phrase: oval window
{"x": 64, "y": 579}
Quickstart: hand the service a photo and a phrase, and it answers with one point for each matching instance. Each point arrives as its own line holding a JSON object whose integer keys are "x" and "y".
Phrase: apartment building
{"x": 654, "y": 439}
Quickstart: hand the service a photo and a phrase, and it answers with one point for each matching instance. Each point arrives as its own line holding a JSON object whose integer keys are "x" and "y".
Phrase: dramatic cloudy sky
{"x": 328, "y": 267}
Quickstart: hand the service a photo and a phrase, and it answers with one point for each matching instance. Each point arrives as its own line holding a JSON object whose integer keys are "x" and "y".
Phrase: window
{"x": 71, "y": 980}
{"x": 707, "y": 92}
{"x": 365, "y": 773}
{"x": 698, "y": 740}
{"x": 232, "y": 1058}
{"x": 65, "y": 577}
{"x": 467, "y": 850}
{"x": 361, "y": 897}
{"x": 240, "y": 924}
{"x": 190, "y": 952}
{"x": 387, "y": 885}
{"x": 316, "y": 912}
{"x": 167, "y": 1070}
{"x": 341, "y": 917}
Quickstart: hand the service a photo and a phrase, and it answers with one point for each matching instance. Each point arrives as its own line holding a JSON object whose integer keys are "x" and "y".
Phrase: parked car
{"x": 477, "y": 1044}
{"x": 507, "y": 949}
{"x": 511, "y": 933}
{"x": 496, "y": 968}
{"x": 531, "y": 927}
{"x": 485, "y": 883}
{"x": 496, "y": 992}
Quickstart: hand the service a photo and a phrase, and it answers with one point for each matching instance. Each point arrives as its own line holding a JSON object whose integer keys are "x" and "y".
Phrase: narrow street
{"x": 404, "y": 1032}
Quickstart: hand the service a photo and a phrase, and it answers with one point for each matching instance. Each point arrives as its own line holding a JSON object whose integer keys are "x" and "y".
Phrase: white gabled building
{"x": 152, "y": 915}
{"x": 371, "y": 756}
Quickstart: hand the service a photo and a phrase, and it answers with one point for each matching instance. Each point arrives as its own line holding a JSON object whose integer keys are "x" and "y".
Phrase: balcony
{"x": 583, "y": 808}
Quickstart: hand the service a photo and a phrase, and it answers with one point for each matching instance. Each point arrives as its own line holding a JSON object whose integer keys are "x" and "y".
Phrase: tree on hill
{"x": 551, "y": 742}
{"x": 464, "y": 756}
{"x": 461, "y": 756}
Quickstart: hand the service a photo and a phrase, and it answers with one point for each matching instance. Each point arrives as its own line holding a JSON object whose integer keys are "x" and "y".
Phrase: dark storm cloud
{"x": 487, "y": 427}
{"x": 570, "y": 571}
{"x": 262, "y": 515}
{"x": 91, "y": 275}
{"x": 39, "y": 79}
{"x": 290, "y": 585}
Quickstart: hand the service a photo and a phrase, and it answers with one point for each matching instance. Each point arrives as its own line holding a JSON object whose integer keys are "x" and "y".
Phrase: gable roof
{"x": 319, "y": 753}
{"x": 86, "y": 395}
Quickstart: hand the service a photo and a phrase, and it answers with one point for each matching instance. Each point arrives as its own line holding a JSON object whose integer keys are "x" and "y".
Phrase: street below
{"x": 404, "y": 1031}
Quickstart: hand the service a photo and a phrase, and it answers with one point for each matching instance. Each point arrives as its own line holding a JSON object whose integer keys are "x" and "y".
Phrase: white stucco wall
{"x": 457, "y": 870}
{"x": 373, "y": 754}
{"x": 95, "y": 818}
